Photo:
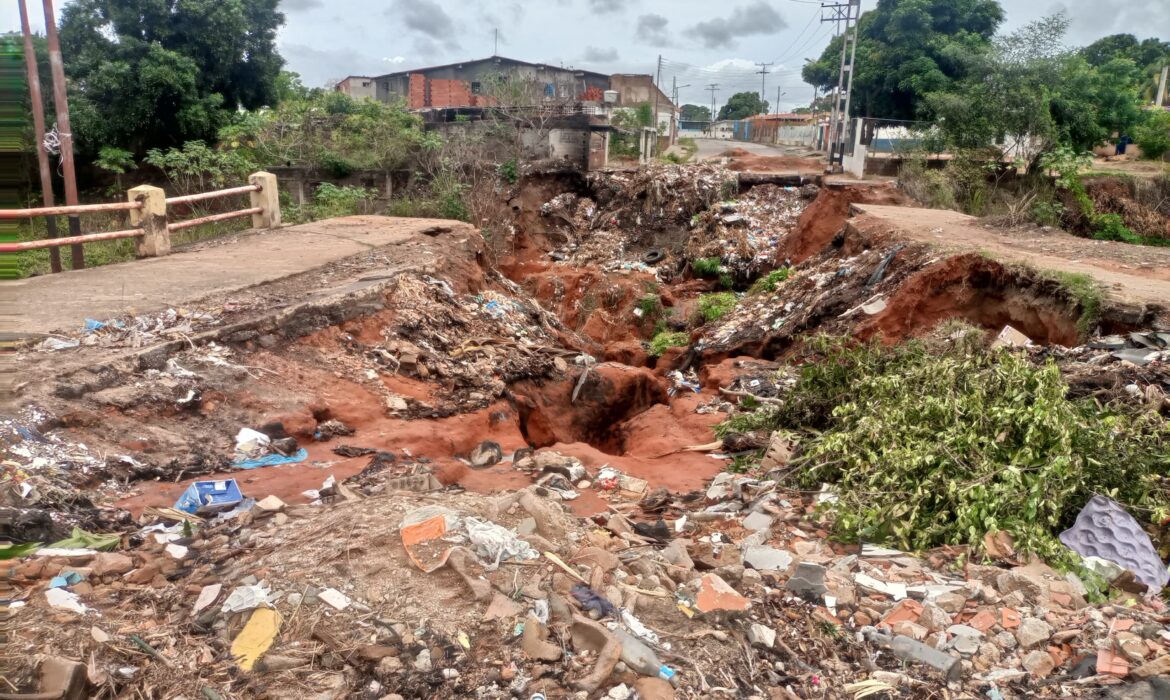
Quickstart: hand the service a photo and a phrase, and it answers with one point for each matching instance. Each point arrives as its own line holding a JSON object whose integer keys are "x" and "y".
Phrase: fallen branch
{"x": 753, "y": 397}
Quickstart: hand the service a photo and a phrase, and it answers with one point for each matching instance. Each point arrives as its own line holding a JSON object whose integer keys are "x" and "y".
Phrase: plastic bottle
{"x": 642, "y": 659}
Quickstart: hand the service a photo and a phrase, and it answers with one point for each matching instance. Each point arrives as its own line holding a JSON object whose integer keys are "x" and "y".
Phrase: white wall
{"x": 797, "y": 135}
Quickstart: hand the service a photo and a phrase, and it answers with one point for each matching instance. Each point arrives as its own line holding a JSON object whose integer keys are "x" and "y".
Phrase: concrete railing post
{"x": 268, "y": 199}
{"x": 152, "y": 217}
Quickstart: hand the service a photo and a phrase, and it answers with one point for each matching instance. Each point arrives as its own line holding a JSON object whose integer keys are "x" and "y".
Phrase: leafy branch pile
{"x": 928, "y": 447}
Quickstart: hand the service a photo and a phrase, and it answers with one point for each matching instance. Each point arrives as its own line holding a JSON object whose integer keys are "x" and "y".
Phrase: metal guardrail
{"x": 68, "y": 211}
{"x": 148, "y": 213}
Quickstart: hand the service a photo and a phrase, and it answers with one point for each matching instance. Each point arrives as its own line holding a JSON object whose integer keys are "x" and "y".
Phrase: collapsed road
{"x": 528, "y": 417}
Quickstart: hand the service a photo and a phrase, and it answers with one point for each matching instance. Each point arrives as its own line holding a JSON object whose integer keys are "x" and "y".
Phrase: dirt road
{"x": 1129, "y": 274}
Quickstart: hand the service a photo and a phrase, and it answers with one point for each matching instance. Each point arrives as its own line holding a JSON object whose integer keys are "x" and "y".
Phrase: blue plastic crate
{"x": 210, "y": 495}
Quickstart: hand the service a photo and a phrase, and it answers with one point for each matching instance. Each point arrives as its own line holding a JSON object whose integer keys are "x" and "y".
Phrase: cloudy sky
{"x": 700, "y": 42}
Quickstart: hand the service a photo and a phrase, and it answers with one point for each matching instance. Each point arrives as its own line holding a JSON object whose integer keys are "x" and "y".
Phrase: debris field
{"x": 467, "y": 468}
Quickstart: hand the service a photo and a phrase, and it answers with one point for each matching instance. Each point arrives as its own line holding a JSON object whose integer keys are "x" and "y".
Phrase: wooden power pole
{"x": 64, "y": 130}
{"x": 38, "y": 112}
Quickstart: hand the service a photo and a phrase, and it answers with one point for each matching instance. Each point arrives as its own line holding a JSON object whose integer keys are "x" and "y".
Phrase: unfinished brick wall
{"x": 418, "y": 91}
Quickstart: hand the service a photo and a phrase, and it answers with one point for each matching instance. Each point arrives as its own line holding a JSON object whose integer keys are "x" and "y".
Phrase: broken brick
{"x": 1111, "y": 663}
{"x": 906, "y": 611}
{"x": 716, "y": 595}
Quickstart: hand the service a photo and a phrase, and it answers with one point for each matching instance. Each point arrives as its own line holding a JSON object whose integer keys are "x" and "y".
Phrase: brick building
{"x": 466, "y": 84}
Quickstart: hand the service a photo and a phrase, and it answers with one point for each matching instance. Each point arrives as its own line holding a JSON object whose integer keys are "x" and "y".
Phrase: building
{"x": 635, "y": 89}
{"x": 468, "y": 83}
{"x": 357, "y": 87}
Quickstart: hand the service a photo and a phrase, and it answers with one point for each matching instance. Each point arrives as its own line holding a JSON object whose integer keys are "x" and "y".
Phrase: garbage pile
{"x": 659, "y": 195}
{"x": 136, "y": 331}
{"x": 475, "y": 344}
{"x": 744, "y": 232}
{"x": 732, "y": 592}
{"x": 635, "y": 220}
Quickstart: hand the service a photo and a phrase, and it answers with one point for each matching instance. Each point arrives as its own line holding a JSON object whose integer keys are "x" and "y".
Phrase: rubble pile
{"x": 137, "y": 331}
{"x": 473, "y": 345}
{"x": 732, "y": 592}
{"x": 744, "y": 233}
{"x": 831, "y": 293}
{"x": 659, "y": 195}
{"x": 634, "y": 220}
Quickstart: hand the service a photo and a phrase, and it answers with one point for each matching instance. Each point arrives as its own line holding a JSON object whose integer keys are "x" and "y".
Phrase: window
{"x": 475, "y": 87}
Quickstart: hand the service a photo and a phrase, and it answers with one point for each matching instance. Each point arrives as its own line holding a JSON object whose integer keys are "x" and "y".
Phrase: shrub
{"x": 1111, "y": 227}
{"x": 1153, "y": 135}
{"x": 336, "y": 165}
{"x": 330, "y": 200}
{"x": 713, "y": 307}
{"x": 769, "y": 282}
{"x": 651, "y": 306}
{"x": 706, "y": 267}
{"x": 665, "y": 340}
{"x": 509, "y": 171}
{"x": 939, "y": 446}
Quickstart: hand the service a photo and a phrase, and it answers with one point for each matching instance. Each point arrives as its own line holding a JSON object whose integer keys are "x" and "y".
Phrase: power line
{"x": 799, "y": 36}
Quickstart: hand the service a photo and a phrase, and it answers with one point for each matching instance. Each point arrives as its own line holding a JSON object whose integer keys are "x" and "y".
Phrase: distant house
{"x": 357, "y": 87}
{"x": 635, "y": 89}
{"x": 466, "y": 84}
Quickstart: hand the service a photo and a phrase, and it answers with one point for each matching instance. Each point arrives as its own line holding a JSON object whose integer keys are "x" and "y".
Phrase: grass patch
{"x": 651, "y": 306}
{"x": 1087, "y": 292}
{"x": 771, "y": 281}
{"x": 930, "y": 444}
{"x": 706, "y": 267}
{"x": 713, "y": 307}
{"x": 667, "y": 339}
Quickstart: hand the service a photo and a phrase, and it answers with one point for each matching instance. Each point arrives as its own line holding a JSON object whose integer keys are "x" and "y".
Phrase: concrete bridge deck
{"x": 48, "y": 303}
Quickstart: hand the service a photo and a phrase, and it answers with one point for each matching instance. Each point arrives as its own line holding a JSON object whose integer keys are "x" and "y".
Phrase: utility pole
{"x": 64, "y": 130}
{"x": 495, "y": 42}
{"x": 1161, "y": 100}
{"x": 674, "y": 98}
{"x": 657, "y": 91}
{"x": 713, "y": 87}
{"x": 38, "y": 110}
{"x": 778, "y": 93}
{"x": 846, "y": 14}
{"x": 763, "y": 73}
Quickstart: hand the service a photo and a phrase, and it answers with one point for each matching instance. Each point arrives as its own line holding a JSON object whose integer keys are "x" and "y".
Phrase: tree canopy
{"x": 1030, "y": 86}
{"x": 1148, "y": 53}
{"x": 743, "y": 105}
{"x": 156, "y": 73}
{"x": 695, "y": 113}
{"x": 907, "y": 49}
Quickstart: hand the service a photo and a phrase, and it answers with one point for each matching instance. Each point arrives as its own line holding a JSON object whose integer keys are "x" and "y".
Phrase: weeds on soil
{"x": 713, "y": 307}
{"x": 770, "y": 282}
{"x": 932, "y": 444}
{"x": 667, "y": 339}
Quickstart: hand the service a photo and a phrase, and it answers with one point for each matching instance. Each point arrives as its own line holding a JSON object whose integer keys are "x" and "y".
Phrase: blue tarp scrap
{"x": 272, "y": 460}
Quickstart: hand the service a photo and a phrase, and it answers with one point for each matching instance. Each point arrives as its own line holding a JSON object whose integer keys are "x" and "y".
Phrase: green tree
{"x": 1153, "y": 135}
{"x": 743, "y": 105}
{"x": 694, "y": 113}
{"x": 907, "y": 49}
{"x": 156, "y": 73}
{"x": 824, "y": 103}
{"x": 1144, "y": 54}
{"x": 1030, "y": 88}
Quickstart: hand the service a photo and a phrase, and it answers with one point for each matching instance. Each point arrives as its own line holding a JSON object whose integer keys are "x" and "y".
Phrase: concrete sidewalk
{"x": 63, "y": 301}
